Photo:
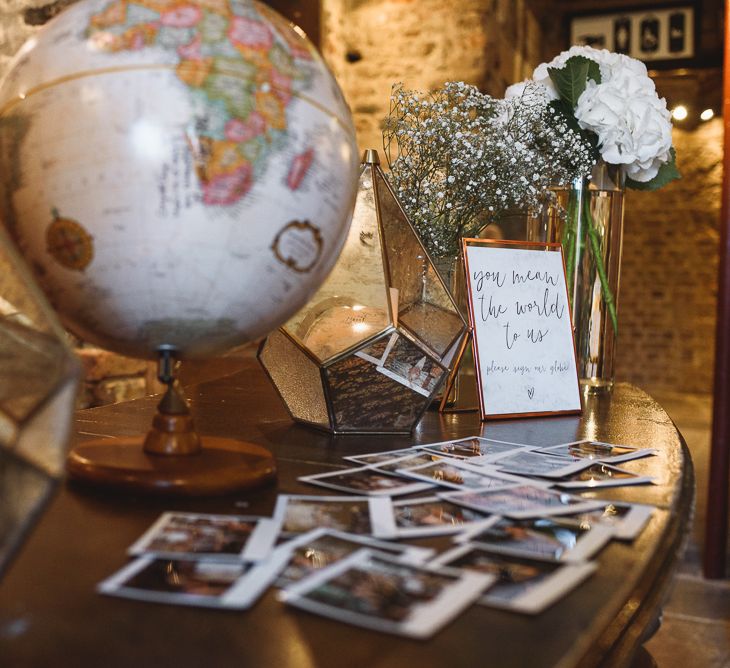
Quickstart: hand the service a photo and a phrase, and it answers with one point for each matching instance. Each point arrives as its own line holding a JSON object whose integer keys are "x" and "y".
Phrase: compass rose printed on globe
{"x": 176, "y": 172}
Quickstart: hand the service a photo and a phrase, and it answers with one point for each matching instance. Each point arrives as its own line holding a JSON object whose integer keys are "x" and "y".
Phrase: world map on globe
{"x": 177, "y": 173}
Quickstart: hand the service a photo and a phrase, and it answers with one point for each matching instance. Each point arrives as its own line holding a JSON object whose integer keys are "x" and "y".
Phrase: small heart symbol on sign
{"x": 530, "y": 392}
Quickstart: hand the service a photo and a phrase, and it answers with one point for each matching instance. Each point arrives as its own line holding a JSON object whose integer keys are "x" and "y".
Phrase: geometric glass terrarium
{"x": 370, "y": 350}
{"x": 38, "y": 381}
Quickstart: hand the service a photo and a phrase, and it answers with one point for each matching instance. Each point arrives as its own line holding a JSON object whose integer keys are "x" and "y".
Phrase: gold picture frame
{"x": 525, "y": 370}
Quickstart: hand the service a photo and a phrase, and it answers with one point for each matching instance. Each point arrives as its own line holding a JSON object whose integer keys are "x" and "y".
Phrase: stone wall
{"x": 371, "y": 44}
{"x": 669, "y": 272}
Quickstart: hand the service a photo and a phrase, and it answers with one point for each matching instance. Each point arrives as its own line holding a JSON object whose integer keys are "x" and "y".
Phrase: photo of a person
{"x": 515, "y": 575}
{"x": 434, "y": 513}
{"x": 196, "y": 535}
{"x": 471, "y": 447}
{"x": 542, "y": 537}
{"x": 384, "y": 590}
{"x": 305, "y": 515}
{"x": 189, "y": 577}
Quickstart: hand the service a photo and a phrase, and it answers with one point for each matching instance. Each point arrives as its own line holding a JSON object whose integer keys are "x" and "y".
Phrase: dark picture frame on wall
{"x": 662, "y": 36}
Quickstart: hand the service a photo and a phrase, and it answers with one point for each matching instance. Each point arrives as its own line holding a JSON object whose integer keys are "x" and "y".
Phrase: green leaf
{"x": 667, "y": 172}
{"x": 570, "y": 81}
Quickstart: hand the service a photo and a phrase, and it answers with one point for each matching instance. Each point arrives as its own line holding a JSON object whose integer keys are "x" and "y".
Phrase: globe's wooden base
{"x": 224, "y": 466}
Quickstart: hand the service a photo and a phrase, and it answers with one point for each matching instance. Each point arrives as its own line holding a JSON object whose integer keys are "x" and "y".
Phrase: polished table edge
{"x": 628, "y": 632}
{"x": 625, "y": 633}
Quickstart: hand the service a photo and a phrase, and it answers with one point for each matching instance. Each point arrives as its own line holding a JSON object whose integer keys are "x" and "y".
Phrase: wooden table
{"x": 50, "y": 615}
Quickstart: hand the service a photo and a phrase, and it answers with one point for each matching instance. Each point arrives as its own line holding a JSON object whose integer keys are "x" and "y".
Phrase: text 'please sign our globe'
{"x": 177, "y": 172}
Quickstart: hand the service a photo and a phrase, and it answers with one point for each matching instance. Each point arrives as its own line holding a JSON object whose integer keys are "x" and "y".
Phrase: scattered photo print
{"x": 204, "y": 535}
{"x": 323, "y": 547}
{"x": 298, "y": 514}
{"x": 393, "y": 465}
{"x": 432, "y": 516}
{"x": 533, "y": 463}
{"x": 521, "y": 501}
{"x": 601, "y": 475}
{"x": 472, "y": 447}
{"x": 626, "y": 520}
{"x": 381, "y": 593}
{"x": 605, "y": 452}
{"x": 524, "y": 584}
{"x": 193, "y": 581}
{"x": 366, "y": 480}
{"x": 456, "y": 475}
{"x": 375, "y": 458}
{"x": 558, "y": 538}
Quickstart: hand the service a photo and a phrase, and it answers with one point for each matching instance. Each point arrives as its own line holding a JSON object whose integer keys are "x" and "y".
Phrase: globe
{"x": 179, "y": 175}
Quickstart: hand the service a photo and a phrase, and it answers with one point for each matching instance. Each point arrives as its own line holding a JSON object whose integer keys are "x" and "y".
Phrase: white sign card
{"x": 523, "y": 336}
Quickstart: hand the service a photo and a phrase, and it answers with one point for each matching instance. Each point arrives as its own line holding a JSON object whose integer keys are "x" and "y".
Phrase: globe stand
{"x": 170, "y": 459}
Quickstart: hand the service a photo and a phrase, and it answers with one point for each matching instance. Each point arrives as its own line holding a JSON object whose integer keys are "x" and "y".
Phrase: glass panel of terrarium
{"x": 353, "y": 303}
{"x": 385, "y": 386}
{"x": 424, "y": 305}
{"x": 38, "y": 382}
{"x": 31, "y": 364}
{"x": 24, "y": 490}
{"x": 296, "y": 377}
{"x": 38, "y": 370}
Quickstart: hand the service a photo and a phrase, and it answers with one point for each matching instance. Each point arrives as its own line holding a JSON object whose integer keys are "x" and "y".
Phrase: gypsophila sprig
{"x": 460, "y": 159}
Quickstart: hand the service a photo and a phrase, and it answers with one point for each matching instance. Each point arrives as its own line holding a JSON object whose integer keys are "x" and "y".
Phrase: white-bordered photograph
{"x": 409, "y": 366}
{"x": 296, "y": 514}
{"x": 524, "y": 584}
{"x": 522, "y": 501}
{"x": 599, "y": 474}
{"x": 533, "y": 463}
{"x": 432, "y": 516}
{"x": 559, "y": 538}
{"x": 604, "y": 452}
{"x": 320, "y": 548}
{"x": 626, "y": 520}
{"x": 458, "y": 474}
{"x": 366, "y": 480}
{"x": 187, "y": 580}
{"x": 417, "y": 459}
{"x": 231, "y": 537}
{"x": 379, "y": 592}
{"x": 375, "y": 458}
{"x": 472, "y": 447}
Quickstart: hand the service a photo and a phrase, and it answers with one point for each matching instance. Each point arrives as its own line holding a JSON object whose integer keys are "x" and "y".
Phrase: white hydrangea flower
{"x": 634, "y": 128}
{"x": 632, "y": 123}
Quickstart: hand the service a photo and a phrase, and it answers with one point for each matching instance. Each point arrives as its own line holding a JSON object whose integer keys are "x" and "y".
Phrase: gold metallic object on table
{"x": 38, "y": 383}
{"x": 372, "y": 347}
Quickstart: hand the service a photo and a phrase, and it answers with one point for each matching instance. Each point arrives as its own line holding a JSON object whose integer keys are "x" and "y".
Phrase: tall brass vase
{"x": 587, "y": 218}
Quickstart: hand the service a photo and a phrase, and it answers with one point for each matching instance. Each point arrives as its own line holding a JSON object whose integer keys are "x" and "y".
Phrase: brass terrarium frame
{"x": 371, "y": 349}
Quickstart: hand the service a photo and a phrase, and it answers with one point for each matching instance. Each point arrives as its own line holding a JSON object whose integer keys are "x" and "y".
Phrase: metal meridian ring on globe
{"x": 130, "y": 68}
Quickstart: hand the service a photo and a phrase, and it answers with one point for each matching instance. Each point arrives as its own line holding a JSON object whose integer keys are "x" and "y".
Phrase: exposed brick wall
{"x": 669, "y": 271}
{"x": 423, "y": 43}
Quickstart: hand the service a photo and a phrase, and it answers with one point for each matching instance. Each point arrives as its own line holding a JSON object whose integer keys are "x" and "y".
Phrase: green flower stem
{"x": 595, "y": 246}
{"x": 569, "y": 243}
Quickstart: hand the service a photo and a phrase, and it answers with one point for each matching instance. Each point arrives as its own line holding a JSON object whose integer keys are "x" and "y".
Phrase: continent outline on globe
{"x": 232, "y": 169}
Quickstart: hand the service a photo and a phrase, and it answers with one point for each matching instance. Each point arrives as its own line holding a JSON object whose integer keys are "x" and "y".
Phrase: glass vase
{"x": 587, "y": 218}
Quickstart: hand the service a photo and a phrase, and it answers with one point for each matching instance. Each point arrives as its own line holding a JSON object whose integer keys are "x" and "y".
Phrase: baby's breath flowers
{"x": 460, "y": 159}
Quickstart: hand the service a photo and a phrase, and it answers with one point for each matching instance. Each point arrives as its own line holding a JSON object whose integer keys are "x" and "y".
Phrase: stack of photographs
{"x": 521, "y": 536}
